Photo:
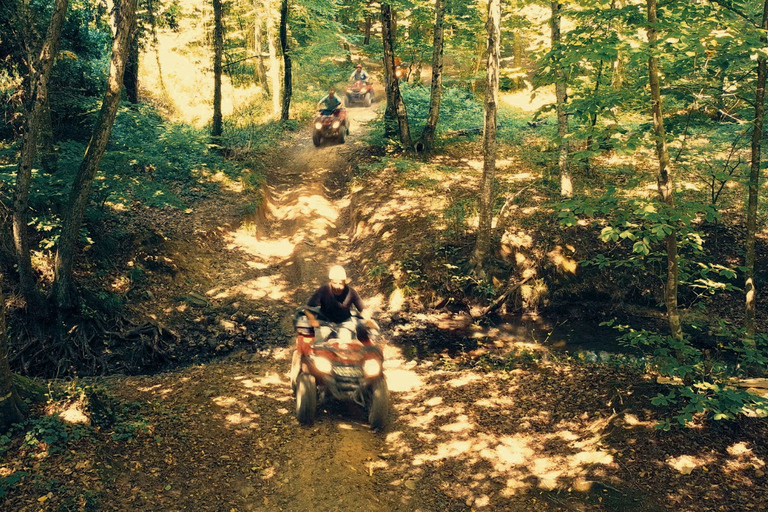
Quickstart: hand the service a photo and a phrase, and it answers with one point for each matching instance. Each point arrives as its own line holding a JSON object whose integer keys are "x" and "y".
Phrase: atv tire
{"x": 379, "y": 408}
{"x": 342, "y": 134}
{"x": 306, "y": 399}
{"x": 316, "y": 139}
{"x": 367, "y": 100}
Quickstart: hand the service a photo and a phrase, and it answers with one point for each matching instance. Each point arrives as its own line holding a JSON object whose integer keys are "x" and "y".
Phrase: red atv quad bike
{"x": 330, "y": 125}
{"x": 331, "y": 363}
{"x": 360, "y": 92}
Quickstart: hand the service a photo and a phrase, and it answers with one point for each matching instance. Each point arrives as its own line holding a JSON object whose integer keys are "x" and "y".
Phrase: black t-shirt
{"x": 336, "y": 308}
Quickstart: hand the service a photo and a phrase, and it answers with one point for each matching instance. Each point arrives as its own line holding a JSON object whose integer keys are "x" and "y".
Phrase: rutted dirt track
{"x": 244, "y": 450}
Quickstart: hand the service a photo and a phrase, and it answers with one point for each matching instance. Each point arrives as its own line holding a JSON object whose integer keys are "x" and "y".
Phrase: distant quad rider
{"x": 359, "y": 75}
{"x": 330, "y": 103}
{"x": 336, "y": 299}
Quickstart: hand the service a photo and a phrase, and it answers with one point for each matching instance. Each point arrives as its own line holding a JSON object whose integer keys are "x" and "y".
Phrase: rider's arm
{"x": 315, "y": 300}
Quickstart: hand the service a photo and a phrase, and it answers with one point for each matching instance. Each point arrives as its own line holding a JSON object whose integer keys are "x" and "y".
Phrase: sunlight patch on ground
{"x": 268, "y": 380}
{"x": 264, "y": 249}
{"x": 685, "y": 464}
{"x": 259, "y": 288}
{"x": 305, "y": 206}
{"x": 464, "y": 380}
{"x": 743, "y": 458}
{"x": 525, "y": 101}
{"x": 515, "y": 458}
{"x": 401, "y": 381}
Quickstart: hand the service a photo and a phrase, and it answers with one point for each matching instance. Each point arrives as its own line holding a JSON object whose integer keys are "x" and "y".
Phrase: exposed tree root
{"x": 84, "y": 346}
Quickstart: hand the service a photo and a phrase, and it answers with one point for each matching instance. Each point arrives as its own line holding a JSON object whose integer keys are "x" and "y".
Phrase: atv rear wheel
{"x": 379, "y": 408}
{"x": 316, "y": 139}
{"x": 306, "y": 399}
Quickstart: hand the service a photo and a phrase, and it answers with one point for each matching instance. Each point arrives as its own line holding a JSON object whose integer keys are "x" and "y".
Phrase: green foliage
{"x": 7, "y": 482}
{"x": 705, "y": 378}
{"x": 456, "y": 215}
{"x": 640, "y": 225}
{"x": 459, "y": 109}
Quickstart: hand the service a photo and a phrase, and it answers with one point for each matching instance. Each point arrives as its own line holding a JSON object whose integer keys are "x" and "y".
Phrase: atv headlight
{"x": 336, "y": 124}
{"x": 371, "y": 368}
{"x": 322, "y": 364}
{"x": 318, "y": 126}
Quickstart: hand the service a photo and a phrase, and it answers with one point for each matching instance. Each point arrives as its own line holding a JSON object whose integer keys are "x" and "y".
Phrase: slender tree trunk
{"x": 10, "y": 405}
{"x": 593, "y": 118}
{"x": 63, "y": 286}
{"x": 561, "y": 95}
{"x": 274, "y": 64}
{"x": 436, "y": 89}
{"x": 261, "y": 72}
{"x": 390, "y": 76}
{"x": 131, "y": 75}
{"x": 367, "y": 30}
{"x": 483, "y": 242}
{"x": 41, "y": 72}
{"x": 49, "y": 160}
{"x": 218, "y": 51}
{"x": 754, "y": 188}
{"x": 395, "y": 105}
{"x": 287, "y": 75}
{"x": 665, "y": 183}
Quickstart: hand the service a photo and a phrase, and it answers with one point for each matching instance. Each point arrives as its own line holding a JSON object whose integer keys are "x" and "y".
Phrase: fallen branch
{"x": 501, "y": 299}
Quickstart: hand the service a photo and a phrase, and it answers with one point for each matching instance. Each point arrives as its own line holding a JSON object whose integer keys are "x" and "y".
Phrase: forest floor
{"x": 541, "y": 433}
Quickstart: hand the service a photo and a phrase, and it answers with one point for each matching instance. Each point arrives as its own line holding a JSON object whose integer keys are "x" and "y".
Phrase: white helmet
{"x": 337, "y": 273}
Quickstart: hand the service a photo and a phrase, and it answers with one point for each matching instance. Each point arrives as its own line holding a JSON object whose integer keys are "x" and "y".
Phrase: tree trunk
{"x": 39, "y": 96}
{"x": 63, "y": 286}
{"x": 395, "y": 106}
{"x": 131, "y": 75}
{"x": 49, "y": 160}
{"x": 390, "y": 115}
{"x": 10, "y": 405}
{"x": 287, "y": 76}
{"x": 483, "y": 242}
{"x": 664, "y": 180}
{"x": 561, "y": 95}
{"x": 436, "y": 89}
{"x": 218, "y": 51}
{"x": 261, "y": 72}
{"x": 754, "y": 188}
{"x": 367, "y": 30}
{"x": 274, "y": 64}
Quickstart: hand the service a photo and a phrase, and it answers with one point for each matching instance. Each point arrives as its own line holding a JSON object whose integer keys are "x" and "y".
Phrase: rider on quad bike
{"x": 336, "y": 299}
{"x": 359, "y": 89}
{"x": 334, "y": 356}
{"x": 331, "y": 120}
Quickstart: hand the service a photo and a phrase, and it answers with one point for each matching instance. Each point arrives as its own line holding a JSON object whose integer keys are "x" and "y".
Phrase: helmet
{"x": 360, "y": 66}
{"x": 337, "y": 273}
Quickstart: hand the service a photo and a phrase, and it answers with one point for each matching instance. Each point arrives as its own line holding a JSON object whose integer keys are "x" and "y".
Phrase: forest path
{"x": 238, "y": 446}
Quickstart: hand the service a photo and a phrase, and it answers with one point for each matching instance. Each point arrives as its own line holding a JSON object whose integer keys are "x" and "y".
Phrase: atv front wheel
{"x": 306, "y": 399}
{"x": 379, "y": 409}
{"x": 367, "y": 100}
{"x": 342, "y": 134}
{"x": 316, "y": 139}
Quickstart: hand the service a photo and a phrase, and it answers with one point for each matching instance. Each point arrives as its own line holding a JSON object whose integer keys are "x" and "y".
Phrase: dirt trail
{"x": 327, "y": 466}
